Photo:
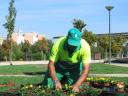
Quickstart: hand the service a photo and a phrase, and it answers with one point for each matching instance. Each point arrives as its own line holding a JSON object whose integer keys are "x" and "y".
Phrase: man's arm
{"x": 83, "y": 76}
{"x": 52, "y": 71}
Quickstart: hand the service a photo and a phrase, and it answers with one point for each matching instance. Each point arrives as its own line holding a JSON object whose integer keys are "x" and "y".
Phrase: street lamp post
{"x": 109, "y": 8}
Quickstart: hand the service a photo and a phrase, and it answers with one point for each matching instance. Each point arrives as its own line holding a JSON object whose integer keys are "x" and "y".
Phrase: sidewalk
{"x": 23, "y": 62}
{"x": 122, "y": 65}
{"x": 118, "y": 64}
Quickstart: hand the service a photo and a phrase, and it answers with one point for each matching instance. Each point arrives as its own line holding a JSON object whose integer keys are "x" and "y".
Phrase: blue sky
{"x": 54, "y": 17}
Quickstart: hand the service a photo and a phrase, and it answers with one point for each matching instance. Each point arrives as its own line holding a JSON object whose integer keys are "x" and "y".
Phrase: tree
{"x": 17, "y": 53}
{"x": 10, "y": 24}
{"x": 40, "y": 47}
{"x": 90, "y": 37}
{"x": 26, "y": 48}
{"x": 77, "y": 23}
{"x": 103, "y": 44}
{"x": 117, "y": 44}
{"x": 50, "y": 44}
{"x": 4, "y": 50}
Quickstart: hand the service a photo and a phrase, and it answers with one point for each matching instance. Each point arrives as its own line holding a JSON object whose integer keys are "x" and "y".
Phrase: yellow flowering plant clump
{"x": 107, "y": 81}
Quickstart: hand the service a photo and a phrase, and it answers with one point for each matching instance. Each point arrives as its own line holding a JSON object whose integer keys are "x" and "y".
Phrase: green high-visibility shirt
{"x": 60, "y": 53}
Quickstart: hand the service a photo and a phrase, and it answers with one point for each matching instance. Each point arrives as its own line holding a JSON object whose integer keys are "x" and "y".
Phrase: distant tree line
{"x": 25, "y": 51}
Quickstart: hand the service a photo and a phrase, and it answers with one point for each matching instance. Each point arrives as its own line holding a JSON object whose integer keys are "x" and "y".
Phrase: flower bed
{"x": 92, "y": 87}
{"x": 109, "y": 86}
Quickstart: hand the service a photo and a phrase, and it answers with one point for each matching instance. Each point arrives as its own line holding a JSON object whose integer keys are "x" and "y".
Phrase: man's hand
{"x": 58, "y": 85}
{"x": 75, "y": 88}
{"x": 52, "y": 73}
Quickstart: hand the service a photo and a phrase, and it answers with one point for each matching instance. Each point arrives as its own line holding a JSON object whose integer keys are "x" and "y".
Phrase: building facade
{"x": 31, "y": 37}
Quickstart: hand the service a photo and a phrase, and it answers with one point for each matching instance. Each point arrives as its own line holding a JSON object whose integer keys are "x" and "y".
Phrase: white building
{"x": 31, "y": 37}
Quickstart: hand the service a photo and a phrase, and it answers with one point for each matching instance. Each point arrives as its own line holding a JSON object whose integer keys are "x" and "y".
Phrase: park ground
{"x": 33, "y": 73}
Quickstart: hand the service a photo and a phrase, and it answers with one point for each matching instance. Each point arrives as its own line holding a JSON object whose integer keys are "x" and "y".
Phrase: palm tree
{"x": 79, "y": 24}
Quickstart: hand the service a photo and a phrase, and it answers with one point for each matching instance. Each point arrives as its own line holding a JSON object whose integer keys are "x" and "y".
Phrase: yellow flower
{"x": 31, "y": 86}
{"x": 70, "y": 87}
{"x": 88, "y": 79}
{"x": 26, "y": 87}
{"x": 66, "y": 86}
{"x": 39, "y": 86}
{"x": 71, "y": 94}
{"x": 43, "y": 91}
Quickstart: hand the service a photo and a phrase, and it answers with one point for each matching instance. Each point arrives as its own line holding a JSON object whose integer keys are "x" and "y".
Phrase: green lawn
{"x": 22, "y": 69}
{"x": 107, "y": 69}
{"x": 33, "y": 69}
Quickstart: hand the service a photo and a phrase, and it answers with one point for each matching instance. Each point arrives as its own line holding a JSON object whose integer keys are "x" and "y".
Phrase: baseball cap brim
{"x": 73, "y": 42}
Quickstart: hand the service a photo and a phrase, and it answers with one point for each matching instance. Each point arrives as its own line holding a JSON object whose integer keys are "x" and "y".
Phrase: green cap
{"x": 74, "y": 37}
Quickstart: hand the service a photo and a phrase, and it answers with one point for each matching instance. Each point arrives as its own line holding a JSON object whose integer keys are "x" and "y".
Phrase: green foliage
{"x": 17, "y": 53}
{"x": 103, "y": 41}
{"x": 50, "y": 44}
{"x": 41, "y": 49}
{"x": 90, "y": 37}
{"x": 37, "y": 56}
{"x": 26, "y": 49}
{"x": 41, "y": 45}
{"x": 117, "y": 43}
{"x": 103, "y": 45}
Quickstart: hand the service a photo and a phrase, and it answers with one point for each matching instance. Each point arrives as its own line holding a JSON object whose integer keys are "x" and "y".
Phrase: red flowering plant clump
{"x": 107, "y": 84}
{"x": 10, "y": 83}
